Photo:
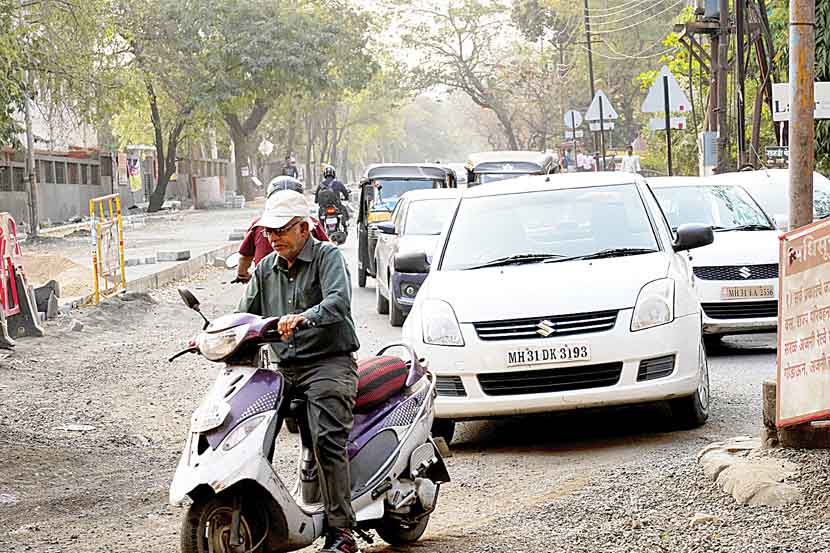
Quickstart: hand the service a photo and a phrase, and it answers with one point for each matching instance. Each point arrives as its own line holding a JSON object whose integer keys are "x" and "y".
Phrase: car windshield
{"x": 428, "y": 216}
{"x": 549, "y": 225}
{"x": 495, "y": 177}
{"x": 723, "y": 207}
{"x": 772, "y": 195}
{"x": 392, "y": 189}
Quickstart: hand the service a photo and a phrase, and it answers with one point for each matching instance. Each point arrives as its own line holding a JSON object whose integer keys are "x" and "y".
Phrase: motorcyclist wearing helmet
{"x": 330, "y": 192}
{"x": 255, "y": 246}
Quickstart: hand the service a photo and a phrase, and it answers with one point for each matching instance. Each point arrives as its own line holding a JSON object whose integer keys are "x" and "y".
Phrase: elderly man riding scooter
{"x": 307, "y": 284}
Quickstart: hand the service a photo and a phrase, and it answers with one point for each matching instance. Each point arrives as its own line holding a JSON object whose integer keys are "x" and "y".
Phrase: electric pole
{"x": 590, "y": 61}
{"x": 722, "y": 63}
{"x": 802, "y": 106}
{"x": 740, "y": 76}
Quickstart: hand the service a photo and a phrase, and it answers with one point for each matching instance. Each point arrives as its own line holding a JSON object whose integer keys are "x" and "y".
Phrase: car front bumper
{"x": 477, "y": 358}
{"x": 723, "y": 317}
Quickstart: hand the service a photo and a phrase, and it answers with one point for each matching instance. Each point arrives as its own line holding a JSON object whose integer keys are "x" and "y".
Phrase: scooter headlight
{"x": 215, "y": 346}
{"x": 242, "y": 431}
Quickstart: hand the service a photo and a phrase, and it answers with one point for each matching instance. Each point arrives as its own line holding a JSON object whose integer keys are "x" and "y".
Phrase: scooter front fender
{"x": 219, "y": 469}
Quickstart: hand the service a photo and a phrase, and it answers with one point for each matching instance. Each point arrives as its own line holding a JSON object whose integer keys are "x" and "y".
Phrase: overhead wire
{"x": 626, "y": 18}
{"x": 600, "y": 19}
{"x": 627, "y": 57}
{"x": 619, "y": 8}
{"x": 608, "y": 32}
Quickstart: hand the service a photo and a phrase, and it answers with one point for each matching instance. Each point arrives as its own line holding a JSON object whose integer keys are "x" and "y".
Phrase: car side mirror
{"x": 189, "y": 299}
{"x": 782, "y": 222}
{"x": 386, "y": 227}
{"x": 412, "y": 262}
{"x": 691, "y": 236}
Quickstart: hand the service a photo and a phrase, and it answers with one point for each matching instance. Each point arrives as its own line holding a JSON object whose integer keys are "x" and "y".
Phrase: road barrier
{"x": 19, "y": 312}
{"x": 107, "y": 231}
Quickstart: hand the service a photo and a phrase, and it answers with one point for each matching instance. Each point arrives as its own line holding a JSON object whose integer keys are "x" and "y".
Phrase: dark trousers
{"x": 330, "y": 389}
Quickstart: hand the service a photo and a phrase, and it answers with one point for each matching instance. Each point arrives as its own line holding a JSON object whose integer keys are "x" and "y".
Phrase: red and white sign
{"x": 804, "y": 325}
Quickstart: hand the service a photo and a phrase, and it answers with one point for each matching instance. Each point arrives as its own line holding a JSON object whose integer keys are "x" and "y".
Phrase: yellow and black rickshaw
{"x": 380, "y": 189}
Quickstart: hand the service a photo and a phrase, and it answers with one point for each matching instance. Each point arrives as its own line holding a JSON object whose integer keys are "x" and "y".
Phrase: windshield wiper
{"x": 746, "y": 227}
{"x": 609, "y": 252}
{"x": 517, "y": 259}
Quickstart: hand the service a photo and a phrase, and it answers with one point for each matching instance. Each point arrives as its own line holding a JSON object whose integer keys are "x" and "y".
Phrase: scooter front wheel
{"x": 397, "y": 532}
{"x": 207, "y": 526}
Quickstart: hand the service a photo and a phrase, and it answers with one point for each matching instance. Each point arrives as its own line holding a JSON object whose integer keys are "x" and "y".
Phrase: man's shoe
{"x": 340, "y": 540}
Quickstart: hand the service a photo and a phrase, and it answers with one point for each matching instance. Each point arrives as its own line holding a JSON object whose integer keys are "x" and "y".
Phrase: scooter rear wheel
{"x": 207, "y": 526}
{"x": 396, "y": 532}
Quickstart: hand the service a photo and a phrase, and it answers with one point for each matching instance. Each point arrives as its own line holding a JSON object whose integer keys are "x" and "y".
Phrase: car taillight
{"x": 331, "y": 211}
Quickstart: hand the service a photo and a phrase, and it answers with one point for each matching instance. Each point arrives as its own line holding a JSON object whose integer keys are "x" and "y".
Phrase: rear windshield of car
{"x": 392, "y": 189}
{"x": 566, "y": 223}
{"x": 428, "y": 216}
{"x": 722, "y": 207}
{"x": 495, "y": 177}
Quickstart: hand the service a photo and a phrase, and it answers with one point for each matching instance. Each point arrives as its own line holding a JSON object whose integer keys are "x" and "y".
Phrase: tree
{"x": 459, "y": 46}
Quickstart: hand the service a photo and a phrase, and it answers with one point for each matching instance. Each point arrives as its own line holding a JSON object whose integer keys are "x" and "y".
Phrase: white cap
{"x": 282, "y": 207}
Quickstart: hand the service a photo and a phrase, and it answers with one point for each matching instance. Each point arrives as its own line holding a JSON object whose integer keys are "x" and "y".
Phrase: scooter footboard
{"x": 221, "y": 468}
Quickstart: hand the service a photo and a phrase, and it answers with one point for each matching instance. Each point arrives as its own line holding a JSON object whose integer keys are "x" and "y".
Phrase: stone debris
{"x": 749, "y": 480}
{"x": 76, "y": 427}
{"x": 52, "y": 308}
{"x": 75, "y": 325}
{"x": 182, "y": 255}
{"x": 703, "y": 518}
{"x": 7, "y": 499}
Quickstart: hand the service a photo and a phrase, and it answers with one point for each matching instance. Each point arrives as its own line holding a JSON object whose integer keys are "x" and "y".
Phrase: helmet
{"x": 283, "y": 183}
{"x": 329, "y": 171}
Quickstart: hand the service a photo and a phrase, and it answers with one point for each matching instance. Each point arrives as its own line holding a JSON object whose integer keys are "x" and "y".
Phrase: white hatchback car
{"x": 560, "y": 292}
{"x": 736, "y": 277}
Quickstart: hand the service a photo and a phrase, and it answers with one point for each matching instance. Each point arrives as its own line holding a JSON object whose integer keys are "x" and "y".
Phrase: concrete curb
{"x": 181, "y": 270}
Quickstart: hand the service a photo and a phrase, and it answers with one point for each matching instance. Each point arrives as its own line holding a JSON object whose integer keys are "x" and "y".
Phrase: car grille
{"x": 550, "y": 380}
{"x": 563, "y": 325}
{"x": 737, "y": 272}
{"x": 659, "y": 367}
{"x": 741, "y": 309}
{"x": 450, "y": 386}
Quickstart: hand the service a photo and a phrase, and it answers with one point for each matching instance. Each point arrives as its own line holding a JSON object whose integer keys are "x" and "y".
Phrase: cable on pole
{"x": 608, "y": 32}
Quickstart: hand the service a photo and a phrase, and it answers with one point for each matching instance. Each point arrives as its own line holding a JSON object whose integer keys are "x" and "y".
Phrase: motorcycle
{"x": 335, "y": 224}
{"x": 240, "y": 503}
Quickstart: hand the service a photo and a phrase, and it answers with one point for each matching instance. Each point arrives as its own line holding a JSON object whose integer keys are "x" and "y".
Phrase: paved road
{"x": 106, "y": 489}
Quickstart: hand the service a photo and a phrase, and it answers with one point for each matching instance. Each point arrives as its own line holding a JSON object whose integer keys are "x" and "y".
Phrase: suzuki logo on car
{"x": 546, "y": 328}
{"x": 745, "y": 272}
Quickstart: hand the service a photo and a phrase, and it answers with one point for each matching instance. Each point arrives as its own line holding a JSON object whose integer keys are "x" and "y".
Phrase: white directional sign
{"x": 608, "y": 111}
{"x": 573, "y": 119}
{"x": 659, "y": 123}
{"x": 606, "y": 125}
{"x": 569, "y": 135}
{"x": 655, "y": 99}
{"x": 781, "y": 101}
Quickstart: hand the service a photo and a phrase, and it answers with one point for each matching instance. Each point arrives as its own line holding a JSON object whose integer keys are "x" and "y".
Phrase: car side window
{"x": 398, "y": 216}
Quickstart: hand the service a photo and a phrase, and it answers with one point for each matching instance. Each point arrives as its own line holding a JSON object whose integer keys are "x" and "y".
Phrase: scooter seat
{"x": 379, "y": 379}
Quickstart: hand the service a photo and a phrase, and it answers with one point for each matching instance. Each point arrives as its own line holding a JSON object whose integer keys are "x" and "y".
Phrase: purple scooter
{"x": 240, "y": 504}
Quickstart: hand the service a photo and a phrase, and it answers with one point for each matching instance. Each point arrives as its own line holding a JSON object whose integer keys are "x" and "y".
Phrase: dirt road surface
{"x": 92, "y": 422}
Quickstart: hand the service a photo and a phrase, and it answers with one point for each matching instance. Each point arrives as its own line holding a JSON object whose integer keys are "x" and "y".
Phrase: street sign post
{"x": 781, "y": 101}
{"x": 666, "y": 96}
{"x": 803, "y": 376}
{"x": 573, "y": 119}
{"x": 602, "y": 112}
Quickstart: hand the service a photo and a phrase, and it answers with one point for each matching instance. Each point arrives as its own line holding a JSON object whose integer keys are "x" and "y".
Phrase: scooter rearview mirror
{"x": 232, "y": 261}
{"x": 189, "y": 299}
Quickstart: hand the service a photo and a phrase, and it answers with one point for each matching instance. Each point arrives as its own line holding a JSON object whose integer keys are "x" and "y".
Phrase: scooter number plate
{"x": 209, "y": 416}
{"x": 331, "y": 220}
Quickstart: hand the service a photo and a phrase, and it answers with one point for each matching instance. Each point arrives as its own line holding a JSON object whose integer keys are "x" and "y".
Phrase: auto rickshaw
{"x": 380, "y": 189}
{"x": 487, "y": 167}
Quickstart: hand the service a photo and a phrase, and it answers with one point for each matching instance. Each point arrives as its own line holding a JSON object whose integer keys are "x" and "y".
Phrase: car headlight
{"x": 242, "y": 431}
{"x": 409, "y": 289}
{"x": 218, "y": 345}
{"x": 439, "y": 325}
{"x": 655, "y": 305}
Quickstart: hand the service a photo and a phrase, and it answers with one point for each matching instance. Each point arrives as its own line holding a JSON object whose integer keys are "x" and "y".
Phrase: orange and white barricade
{"x": 107, "y": 231}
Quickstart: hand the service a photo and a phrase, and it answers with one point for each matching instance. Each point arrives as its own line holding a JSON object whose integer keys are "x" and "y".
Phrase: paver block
{"x": 235, "y": 236}
{"x": 132, "y": 262}
{"x": 149, "y": 260}
{"x": 182, "y": 255}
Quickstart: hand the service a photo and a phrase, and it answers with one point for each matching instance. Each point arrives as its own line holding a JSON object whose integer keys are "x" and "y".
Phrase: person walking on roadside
{"x": 630, "y": 162}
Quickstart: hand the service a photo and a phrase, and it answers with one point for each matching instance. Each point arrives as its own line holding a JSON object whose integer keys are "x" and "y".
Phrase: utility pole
{"x": 740, "y": 77}
{"x": 722, "y": 62}
{"x": 802, "y": 106}
{"x": 31, "y": 173}
{"x": 590, "y": 62}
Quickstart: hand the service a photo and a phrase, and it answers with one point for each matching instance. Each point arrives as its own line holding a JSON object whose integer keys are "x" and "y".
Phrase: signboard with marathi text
{"x": 804, "y": 325}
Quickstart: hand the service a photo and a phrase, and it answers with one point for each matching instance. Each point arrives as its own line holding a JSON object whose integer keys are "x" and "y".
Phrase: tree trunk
{"x": 308, "y": 153}
{"x": 166, "y": 162}
{"x": 507, "y": 128}
{"x": 243, "y": 134}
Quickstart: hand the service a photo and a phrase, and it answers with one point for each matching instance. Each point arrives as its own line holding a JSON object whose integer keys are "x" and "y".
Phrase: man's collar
{"x": 306, "y": 254}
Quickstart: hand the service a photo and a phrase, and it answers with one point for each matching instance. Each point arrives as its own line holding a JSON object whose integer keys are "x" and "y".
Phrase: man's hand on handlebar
{"x": 241, "y": 278}
{"x": 288, "y": 324}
